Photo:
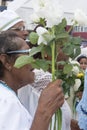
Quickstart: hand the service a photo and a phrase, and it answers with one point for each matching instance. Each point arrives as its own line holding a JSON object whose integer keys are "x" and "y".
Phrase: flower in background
{"x": 35, "y": 18}
{"x": 78, "y": 90}
{"x": 77, "y": 84}
{"x": 80, "y": 76}
{"x": 76, "y": 66}
{"x": 80, "y": 17}
{"x": 69, "y": 76}
{"x": 46, "y": 9}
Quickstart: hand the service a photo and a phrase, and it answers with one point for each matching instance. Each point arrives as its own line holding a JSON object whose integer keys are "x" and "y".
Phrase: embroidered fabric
{"x": 82, "y": 107}
{"x": 41, "y": 79}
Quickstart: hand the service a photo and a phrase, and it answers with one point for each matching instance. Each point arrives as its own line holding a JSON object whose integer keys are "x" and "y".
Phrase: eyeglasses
{"x": 19, "y": 52}
{"x": 18, "y": 28}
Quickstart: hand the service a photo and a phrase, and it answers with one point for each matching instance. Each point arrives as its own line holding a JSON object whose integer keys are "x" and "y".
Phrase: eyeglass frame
{"x": 18, "y": 51}
{"x": 18, "y": 28}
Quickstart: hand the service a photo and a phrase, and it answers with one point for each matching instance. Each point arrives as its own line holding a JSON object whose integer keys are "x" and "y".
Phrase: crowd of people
{"x": 28, "y": 96}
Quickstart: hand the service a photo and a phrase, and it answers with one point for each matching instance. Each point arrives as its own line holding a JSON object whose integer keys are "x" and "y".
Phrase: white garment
{"x": 13, "y": 115}
{"x": 70, "y": 100}
{"x": 29, "y": 96}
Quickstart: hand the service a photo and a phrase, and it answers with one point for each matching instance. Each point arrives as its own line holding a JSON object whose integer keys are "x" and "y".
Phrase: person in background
{"x": 82, "y": 107}
{"x": 82, "y": 59}
{"x": 11, "y": 79}
{"x": 10, "y": 20}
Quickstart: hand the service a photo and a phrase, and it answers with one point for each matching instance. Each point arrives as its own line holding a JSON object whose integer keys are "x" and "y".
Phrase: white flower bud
{"x": 75, "y": 70}
{"x": 77, "y": 84}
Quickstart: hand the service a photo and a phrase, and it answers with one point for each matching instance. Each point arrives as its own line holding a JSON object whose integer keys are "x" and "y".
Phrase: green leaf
{"x": 68, "y": 49}
{"x": 67, "y": 69}
{"x": 61, "y": 36}
{"x": 23, "y": 60}
{"x": 75, "y": 40}
{"x": 61, "y": 62}
{"x": 46, "y": 50}
{"x": 60, "y": 28}
{"x": 33, "y": 37}
{"x": 41, "y": 63}
{"x": 76, "y": 52}
{"x": 42, "y": 22}
{"x": 35, "y": 50}
{"x": 48, "y": 37}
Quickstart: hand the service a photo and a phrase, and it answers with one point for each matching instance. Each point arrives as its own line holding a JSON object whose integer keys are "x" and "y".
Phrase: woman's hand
{"x": 51, "y": 99}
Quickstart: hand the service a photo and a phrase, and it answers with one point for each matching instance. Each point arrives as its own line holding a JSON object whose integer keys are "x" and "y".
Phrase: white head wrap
{"x": 8, "y": 18}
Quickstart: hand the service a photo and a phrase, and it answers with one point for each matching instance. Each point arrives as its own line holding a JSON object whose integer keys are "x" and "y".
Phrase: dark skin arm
{"x": 51, "y": 99}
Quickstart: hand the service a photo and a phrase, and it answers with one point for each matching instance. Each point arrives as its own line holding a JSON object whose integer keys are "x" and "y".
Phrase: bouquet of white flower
{"x": 51, "y": 35}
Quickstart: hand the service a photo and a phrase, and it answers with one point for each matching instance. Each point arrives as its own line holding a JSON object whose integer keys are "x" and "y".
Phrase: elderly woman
{"x": 13, "y": 115}
{"x": 10, "y": 20}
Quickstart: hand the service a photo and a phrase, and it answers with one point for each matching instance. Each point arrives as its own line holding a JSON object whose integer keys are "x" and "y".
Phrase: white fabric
{"x": 70, "y": 100}
{"x": 8, "y": 18}
{"x": 29, "y": 96}
{"x": 13, "y": 115}
{"x": 66, "y": 116}
{"x": 84, "y": 51}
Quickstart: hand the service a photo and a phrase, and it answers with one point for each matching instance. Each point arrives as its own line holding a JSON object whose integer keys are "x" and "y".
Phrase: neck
{"x": 9, "y": 84}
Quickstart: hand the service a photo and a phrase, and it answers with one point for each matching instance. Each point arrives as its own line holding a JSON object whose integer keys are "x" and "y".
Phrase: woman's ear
{"x": 5, "y": 62}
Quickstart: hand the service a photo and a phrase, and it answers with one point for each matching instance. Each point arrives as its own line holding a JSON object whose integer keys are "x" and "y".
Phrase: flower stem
{"x": 53, "y": 61}
{"x": 59, "y": 115}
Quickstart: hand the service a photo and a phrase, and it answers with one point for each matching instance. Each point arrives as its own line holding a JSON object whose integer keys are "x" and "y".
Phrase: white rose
{"x": 47, "y": 9}
{"x": 77, "y": 84}
{"x": 80, "y": 17}
{"x": 40, "y": 31}
{"x": 74, "y": 62}
{"x": 54, "y": 14}
{"x": 38, "y": 4}
{"x": 75, "y": 70}
{"x": 34, "y": 17}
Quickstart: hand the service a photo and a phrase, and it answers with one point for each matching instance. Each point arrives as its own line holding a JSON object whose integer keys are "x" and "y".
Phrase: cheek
{"x": 23, "y": 75}
{"x": 20, "y": 34}
{"x": 28, "y": 74}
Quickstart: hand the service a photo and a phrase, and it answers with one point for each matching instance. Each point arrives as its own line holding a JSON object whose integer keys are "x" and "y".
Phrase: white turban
{"x": 8, "y": 18}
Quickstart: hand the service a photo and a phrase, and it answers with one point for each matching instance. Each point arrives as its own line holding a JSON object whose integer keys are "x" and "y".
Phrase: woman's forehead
{"x": 18, "y": 24}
